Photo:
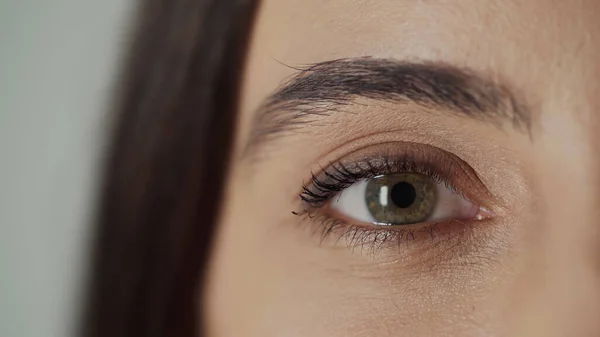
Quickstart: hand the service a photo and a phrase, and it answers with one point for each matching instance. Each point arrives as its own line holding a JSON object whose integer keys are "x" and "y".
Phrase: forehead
{"x": 540, "y": 47}
{"x": 452, "y": 29}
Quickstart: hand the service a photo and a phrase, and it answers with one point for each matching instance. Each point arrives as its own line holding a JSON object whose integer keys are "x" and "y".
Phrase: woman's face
{"x": 414, "y": 168}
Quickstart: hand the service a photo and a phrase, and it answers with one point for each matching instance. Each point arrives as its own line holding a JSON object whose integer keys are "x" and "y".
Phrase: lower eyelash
{"x": 369, "y": 238}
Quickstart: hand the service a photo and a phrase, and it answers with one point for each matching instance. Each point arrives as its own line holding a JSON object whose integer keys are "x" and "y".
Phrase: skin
{"x": 533, "y": 269}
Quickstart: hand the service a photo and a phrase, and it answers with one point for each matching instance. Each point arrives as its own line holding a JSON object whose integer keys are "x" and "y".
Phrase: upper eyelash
{"x": 341, "y": 176}
{"x": 322, "y": 191}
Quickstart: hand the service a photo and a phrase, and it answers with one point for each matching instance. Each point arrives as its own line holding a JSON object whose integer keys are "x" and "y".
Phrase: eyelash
{"x": 316, "y": 194}
{"x": 369, "y": 238}
{"x": 341, "y": 176}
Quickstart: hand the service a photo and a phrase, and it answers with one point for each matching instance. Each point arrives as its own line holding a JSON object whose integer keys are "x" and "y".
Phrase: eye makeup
{"x": 398, "y": 161}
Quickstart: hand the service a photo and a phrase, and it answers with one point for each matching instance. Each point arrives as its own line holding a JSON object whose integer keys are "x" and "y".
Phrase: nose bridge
{"x": 561, "y": 278}
{"x": 568, "y": 184}
{"x": 568, "y": 251}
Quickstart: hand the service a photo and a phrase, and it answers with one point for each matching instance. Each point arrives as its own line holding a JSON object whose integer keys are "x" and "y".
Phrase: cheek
{"x": 269, "y": 277}
{"x": 266, "y": 278}
{"x": 255, "y": 266}
{"x": 237, "y": 283}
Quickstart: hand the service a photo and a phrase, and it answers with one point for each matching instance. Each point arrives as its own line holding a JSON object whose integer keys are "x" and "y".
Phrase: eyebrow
{"x": 322, "y": 89}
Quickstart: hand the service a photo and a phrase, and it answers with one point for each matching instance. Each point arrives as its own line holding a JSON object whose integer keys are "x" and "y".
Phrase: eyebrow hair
{"x": 323, "y": 88}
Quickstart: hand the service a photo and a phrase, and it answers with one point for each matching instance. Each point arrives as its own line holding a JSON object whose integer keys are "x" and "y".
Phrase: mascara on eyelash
{"x": 340, "y": 176}
{"x": 373, "y": 238}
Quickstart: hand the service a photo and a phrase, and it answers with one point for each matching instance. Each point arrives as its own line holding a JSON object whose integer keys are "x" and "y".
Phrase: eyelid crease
{"x": 438, "y": 165}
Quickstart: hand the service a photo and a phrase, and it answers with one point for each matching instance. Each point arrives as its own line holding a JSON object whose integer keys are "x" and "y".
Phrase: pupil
{"x": 403, "y": 194}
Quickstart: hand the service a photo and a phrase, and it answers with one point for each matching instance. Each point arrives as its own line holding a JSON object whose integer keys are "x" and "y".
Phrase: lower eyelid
{"x": 332, "y": 232}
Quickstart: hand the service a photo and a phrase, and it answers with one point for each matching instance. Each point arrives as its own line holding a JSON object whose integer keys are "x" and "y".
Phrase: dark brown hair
{"x": 165, "y": 167}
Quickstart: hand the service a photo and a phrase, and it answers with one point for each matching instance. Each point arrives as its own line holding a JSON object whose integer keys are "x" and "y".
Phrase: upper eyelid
{"x": 436, "y": 159}
{"x": 383, "y": 167}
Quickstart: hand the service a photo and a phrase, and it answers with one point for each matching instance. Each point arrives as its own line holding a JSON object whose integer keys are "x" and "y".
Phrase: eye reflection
{"x": 402, "y": 199}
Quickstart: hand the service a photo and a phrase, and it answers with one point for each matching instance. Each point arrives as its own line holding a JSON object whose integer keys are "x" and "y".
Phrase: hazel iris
{"x": 400, "y": 199}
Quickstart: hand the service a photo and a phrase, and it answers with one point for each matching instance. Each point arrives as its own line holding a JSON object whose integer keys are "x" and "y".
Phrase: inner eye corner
{"x": 484, "y": 213}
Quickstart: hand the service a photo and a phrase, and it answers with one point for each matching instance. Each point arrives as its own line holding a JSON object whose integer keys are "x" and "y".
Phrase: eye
{"x": 402, "y": 199}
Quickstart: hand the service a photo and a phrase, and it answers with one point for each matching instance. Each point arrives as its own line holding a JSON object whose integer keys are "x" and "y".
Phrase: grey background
{"x": 57, "y": 64}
